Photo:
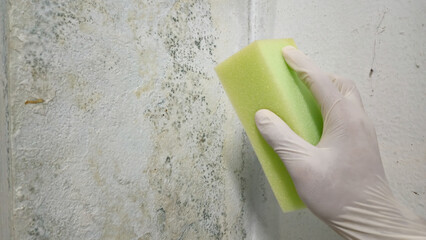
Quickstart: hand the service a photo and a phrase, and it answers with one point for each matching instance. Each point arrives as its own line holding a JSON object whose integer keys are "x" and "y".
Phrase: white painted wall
{"x": 135, "y": 138}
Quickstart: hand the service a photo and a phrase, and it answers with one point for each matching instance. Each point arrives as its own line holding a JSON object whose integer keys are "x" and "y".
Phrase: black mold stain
{"x": 161, "y": 219}
{"x": 187, "y": 185}
{"x": 36, "y": 229}
{"x": 189, "y": 128}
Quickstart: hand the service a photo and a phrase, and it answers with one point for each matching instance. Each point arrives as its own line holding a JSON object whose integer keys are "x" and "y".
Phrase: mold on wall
{"x": 120, "y": 129}
{"x": 118, "y": 122}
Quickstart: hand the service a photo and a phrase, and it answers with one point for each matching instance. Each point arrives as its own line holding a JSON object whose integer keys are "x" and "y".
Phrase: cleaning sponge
{"x": 257, "y": 77}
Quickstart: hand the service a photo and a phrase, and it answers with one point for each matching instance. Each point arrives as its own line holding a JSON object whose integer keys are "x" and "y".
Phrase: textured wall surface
{"x": 5, "y": 188}
{"x": 119, "y": 128}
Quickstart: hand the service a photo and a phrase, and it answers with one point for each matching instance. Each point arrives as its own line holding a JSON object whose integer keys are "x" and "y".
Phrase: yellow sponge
{"x": 257, "y": 77}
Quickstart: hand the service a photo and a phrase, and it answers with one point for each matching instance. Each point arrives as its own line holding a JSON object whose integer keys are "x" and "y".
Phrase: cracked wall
{"x": 120, "y": 129}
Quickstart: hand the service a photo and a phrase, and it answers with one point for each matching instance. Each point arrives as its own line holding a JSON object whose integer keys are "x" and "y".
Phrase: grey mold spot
{"x": 65, "y": 171}
{"x": 188, "y": 129}
{"x": 36, "y": 229}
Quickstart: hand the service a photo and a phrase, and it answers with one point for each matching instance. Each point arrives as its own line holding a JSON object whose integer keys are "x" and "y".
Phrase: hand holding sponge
{"x": 257, "y": 77}
{"x": 340, "y": 178}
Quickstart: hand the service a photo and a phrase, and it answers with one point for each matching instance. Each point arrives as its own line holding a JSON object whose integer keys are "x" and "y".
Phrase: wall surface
{"x": 120, "y": 129}
{"x": 5, "y": 186}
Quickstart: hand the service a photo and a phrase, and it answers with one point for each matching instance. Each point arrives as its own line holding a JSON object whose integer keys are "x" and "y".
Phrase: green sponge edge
{"x": 257, "y": 77}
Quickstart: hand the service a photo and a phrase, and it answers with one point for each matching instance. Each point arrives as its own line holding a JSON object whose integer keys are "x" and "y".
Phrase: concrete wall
{"x": 5, "y": 185}
{"x": 127, "y": 133}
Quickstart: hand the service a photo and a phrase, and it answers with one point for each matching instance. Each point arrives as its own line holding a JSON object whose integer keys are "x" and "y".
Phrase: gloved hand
{"x": 341, "y": 180}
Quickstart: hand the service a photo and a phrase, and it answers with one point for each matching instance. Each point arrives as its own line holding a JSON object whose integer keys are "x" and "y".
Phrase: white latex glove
{"x": 341, "y": 180}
